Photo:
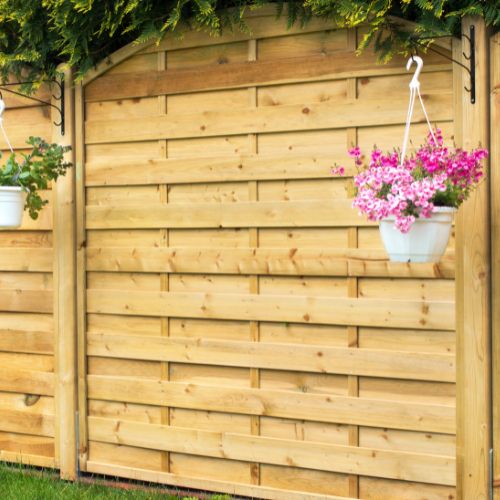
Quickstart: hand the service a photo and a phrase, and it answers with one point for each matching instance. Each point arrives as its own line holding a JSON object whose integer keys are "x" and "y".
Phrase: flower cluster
{"x": 411, "y": 187}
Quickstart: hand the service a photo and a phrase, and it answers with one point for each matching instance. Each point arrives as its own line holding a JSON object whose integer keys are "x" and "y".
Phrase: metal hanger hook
{"x": 414, "y": 82}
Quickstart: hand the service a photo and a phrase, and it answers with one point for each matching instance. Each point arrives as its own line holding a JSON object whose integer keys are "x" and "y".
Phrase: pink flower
{"x": 411, "y": 189}
{"x": 339, "y": 171}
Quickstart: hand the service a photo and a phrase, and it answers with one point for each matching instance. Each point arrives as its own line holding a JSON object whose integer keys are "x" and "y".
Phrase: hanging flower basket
{"x": 415, "y": 198}
{"x": 20, "y": 182}
{"x": 12, "y": 202}
{"x": 425, "y": 242}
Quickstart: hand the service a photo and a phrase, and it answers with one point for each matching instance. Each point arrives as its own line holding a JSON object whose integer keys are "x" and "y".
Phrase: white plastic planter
{"x": 12, "y": 201}
{"x": 426, "y": 240}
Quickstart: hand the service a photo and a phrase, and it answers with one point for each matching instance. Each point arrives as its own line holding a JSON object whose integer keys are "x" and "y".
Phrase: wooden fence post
{"x": 495, "y": 251}
{"x": 65, "y": 290}
{"x": 474, "y": 338}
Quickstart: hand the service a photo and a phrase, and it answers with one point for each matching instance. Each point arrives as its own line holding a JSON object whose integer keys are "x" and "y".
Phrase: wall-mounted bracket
{"x": 415, "y": 41}
{"x": 60, "y": 98}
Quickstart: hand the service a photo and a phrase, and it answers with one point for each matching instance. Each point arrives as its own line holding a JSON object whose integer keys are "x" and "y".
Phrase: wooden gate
{"x": 240, "y": 327}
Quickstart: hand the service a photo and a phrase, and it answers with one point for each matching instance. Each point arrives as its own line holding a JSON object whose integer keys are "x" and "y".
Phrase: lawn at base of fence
{"x": 33, "y": 483}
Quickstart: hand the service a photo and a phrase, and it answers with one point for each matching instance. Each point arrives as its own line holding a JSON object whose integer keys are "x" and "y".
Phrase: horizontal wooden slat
{"x": 28, "y": 362}
{"x": 26, "y": 259}
{"x": 214, "y": 169}
{"x": 332, "y": 66}
{"x": 27, "y": 423}
{"x": 28, "y": 382}
{"x": 337, "y": 360}
{"x": 19, "y": 280}
{"x": 26, "y": 342}
{"x": 313, "y": 407}
{"x": 19, "y": 134}
{"x": 300, "y": 309}
{"x": 13, "y": 101}
{"x": 262, "y": 22}
{"x": 327, "y": 457}
{"x": 25, "y": 459}
{"x": 268, "y": 261}
{"x": 312, "y": 116}
{"x": 218, "y": 215}
{"x": 32, "y": 301}
{"x": 26, "y": 239}
{"x": 43, "y": 223}
{"x": 236, "y": 489}
{"x": 29, "y": 322}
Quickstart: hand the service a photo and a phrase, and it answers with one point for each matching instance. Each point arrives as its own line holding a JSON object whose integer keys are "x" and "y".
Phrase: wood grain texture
{"x": 219, "y": 215}
{"x": 27, "y": 423}
{"x": 474, "y": 354}
{"x": 253, "y": 233}
{"x": 27, "y": 409}
{"x": 43, "y": 223}
{"x": 220, "y": 246}
{"x": 81, "y": 275}
{"x": 29, "y": 301}
{"x": 374, "y": 363}
{"x": 131, "y": 172}
{"x": 405, "y": 466}
{"x": 65, "y": 295}
{"x": 230, "y": 487}
{"x": 281, "y": 404}
{"x": 262, "y": 23}
{"x": 262, "y": 261}
{"x": 31, "y": 342}
{"x": 26, "y": 259}
{"x": 29, "y": 460}
{"x": 298, "y": 309}
{"x": 495, "y": 256}
{"x": 310, "y": 116}
{"x": 27, "y": 382}
{"x": 244, "y": 74}
{"x": 458, "y": 84}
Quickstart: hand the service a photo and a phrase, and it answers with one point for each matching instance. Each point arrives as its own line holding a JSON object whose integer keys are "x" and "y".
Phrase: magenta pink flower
{"x": 354, "y": 153}
{"x": 433, "y": 176}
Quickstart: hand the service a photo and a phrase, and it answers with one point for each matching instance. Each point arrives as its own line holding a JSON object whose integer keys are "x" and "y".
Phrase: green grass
{"x": 24, "y": 483}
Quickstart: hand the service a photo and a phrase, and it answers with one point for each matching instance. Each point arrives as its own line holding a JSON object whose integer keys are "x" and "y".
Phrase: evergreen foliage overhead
{"x": 44, "y": 33}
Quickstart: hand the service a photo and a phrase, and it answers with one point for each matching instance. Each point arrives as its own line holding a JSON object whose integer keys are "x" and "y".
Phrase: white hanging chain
{"x": 5, "y": 135}
{"x": 414, "y": 91}
{"x": 2, "y": 109}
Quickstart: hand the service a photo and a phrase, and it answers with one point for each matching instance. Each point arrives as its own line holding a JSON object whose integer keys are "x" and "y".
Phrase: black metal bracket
{"x": 60, "y": 98}
{"x": 471, "y": 57}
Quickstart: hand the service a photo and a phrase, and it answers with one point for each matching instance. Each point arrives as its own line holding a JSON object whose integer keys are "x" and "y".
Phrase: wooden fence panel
{"x": 244, "y": 330}
{"x": 37, "y": 307}
{"x": 27, "y": 404}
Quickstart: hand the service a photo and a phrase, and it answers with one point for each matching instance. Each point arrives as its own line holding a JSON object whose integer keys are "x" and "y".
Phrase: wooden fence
{"x": 240, "y": 328}
{"x": 27, "y": 405}
{"x": 37, "y": 293}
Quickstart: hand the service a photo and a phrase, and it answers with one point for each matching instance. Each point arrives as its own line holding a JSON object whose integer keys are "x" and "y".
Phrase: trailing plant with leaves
{"x": 42, "y": 34}
{"x": 45, "y": 163}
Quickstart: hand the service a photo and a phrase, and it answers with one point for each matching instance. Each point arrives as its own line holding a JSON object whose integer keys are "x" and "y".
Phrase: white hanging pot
{"x": 12, "y": 201}
{"x": 426, "y": 241}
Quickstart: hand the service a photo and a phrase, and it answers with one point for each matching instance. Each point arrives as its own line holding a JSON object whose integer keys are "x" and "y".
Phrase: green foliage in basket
{"x": 45, "y": 163}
